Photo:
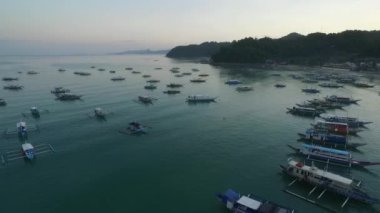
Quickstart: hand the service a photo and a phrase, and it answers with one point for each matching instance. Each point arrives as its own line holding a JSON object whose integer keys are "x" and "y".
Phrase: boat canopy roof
{"x": 332, "y": 123}
{"x": 322, "y": 173}
{"x": 26, "y": 146}
{"x": 335, "y": 151}
{"x": 250, "y": 203}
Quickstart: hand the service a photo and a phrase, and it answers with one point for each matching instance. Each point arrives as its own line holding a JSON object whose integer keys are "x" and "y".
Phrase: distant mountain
{"x": 142, "y": 52}
{"x": 312, "y": 49}
{"x": 206, "y": 49}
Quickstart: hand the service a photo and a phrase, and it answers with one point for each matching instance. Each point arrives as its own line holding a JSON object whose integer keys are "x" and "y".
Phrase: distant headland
{"x": 351, "y": 49}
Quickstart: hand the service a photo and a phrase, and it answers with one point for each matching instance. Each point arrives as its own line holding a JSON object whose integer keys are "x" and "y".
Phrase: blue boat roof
{"x": 340, "y": 152}
{"x": 232, "y": 195}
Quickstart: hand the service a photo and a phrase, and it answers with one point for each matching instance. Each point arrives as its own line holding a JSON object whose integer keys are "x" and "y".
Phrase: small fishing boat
{"x": 172, "y": 92}
{"x": 174, "y": 85}
{"x": 112, "y": 71}
{"x": 203, "y": 75}
{"x": 310, "y": 90}
{"x": 174, "y": 71}
{"x": 197, "y": 80}
{"x": 82, "y": 73}
{"x": 9, "y": 79}
{"x": 128, "y": 68}
{"x": 328, "y": 181}
{"x": 136, "y": 72}
{"x": 330, "y": 85}
{"x": 244, "y": 88}
{"x": 233, "y": 82}
{"x": 101, "y": 69}
{"x": 146, "y": 99}
{"x": 250, "y": 203}
{"x": 302, "y": 111}
{"x": 280, "y": 85}
{"x": 310, "y": 81}
{"x": 158, "y": 68}
{"x": 28, "y": 150}
{"x": 59, "y": 90}
{"x": 119, "y": 78}
{"x": 346, "y": 80}
{"x": 195, "y": 70}
{"x": 352, "y": 122}
{"x": 178, "y": 75}
{"x": 35, "y": 112}
{"x": 150, "y": 87}
{"x": 136, "y": 128}
{"x": 32, "y": 73}
{"x": 187, "y": 73}
{"x": 99, "y": 112}
{"x": 363, "y": 85}
{"x": 146, "y": 76}
{"x": 330, "y": 155}
{"x": 325, "y": 104}
{"x": 2, "y": 102}
{"x": 68, "y": 97}
{"x": 13, "y": 87}
{"x": 21, "y": 129}
{"x": 61, "y": 70}
{"x": 92, "y": 67}
{"x": 200, "y": 98}
{"x": 341, "y": 99}
{"x": 152, "y": 81}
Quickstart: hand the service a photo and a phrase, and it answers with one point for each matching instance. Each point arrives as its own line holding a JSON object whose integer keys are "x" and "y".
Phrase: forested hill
{"x": 206, "y": 49}
{"x": 313, "y": 49}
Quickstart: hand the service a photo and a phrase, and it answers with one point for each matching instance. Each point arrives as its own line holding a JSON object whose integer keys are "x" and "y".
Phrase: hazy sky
{"x": 99, "y": 26}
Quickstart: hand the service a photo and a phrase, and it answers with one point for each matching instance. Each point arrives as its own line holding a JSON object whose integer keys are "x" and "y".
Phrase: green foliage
{"x": 313, "y": 49}
{"x": 206, "y": 49}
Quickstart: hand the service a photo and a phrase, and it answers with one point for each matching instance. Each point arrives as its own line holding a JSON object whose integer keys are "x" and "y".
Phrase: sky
{"x": 102, "y": 26}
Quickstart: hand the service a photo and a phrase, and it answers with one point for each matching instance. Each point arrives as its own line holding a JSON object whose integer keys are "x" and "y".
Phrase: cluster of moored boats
{"x": 327, "y": 141}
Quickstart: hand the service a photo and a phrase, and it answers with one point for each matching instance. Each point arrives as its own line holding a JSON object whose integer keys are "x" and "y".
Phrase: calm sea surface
{"x": 191, "y": 151}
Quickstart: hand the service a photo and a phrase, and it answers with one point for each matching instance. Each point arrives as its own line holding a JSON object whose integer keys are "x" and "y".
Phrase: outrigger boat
{"x": 172, "y": 92}
{"x": 352, "y": 122}
{"x": 335, "y": 128}
{"x": 28, "y": 152}
{"x": 146, "y": 99}
{"x": 195, "y": 70}
{"x": 32, "y": 73}
{"x": 153, "y": 81}
{"x": 10, "y": 79}
{"x": 203, "y": 75}
{"x": 327, "y": 181}
{"x": 21, "y": 130}
{"x": 341, "y": 100}
{"x": 112, "y": 71}
{"x": 313, "y": 91}
{"x": 68, "y": 97}
{"x": 327, "y": 139}
{"x": 330, "y": 85}
{"x": 330, "y": 155}
{"x": 325, "y": 104}
{"x": 99, "y": 113}
{"x": 233, "y": 82}
{"x": 244, "y": 88}
{"x": 101, "y": 69}
{"x": 82, "y": 73}
{"x": 118, "y": 78}
{"x": 280, "y": 85}
{"x": 178, "y": 75}
{"x": 134, "y": 128}
{"x": 200, "y": 98}
{"x": 197, "y": 80}
{"x": 61, "y": 70}
{"x": 150, "y": 87}
{"x": 303, "y": 111}
{"x": 363, "y": 85}
{"x": 2, "y": 102}
{"x": 146, "y": 76}
{"x": 136, "y": 72}
{"x": 13, "y": 87}
{"x": 310, "y": 81}
{"x": 59, "y": 90}
{"x": 173, "y": 85}
{"x": 250, "y": 203}
{"x": 187, "y": 73}
{"x": 128, "y": 68}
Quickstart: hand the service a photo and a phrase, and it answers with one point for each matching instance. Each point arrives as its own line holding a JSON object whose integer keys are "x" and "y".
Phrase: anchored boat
{"x": 119, "y": 78}
{"x": 244, "y": 88}
{"x": 330, "y": 85}
{"x": 198, "y": 80}
{"x": 59, "y": 90}
{"x": 200, "y": 98}
{"x": 9, "y": 79}
{"x": 2, "y": 102}
{"x": 313, "y": 91}
{"x": 68, "y": 97}
{"x": 303, "y": 111}
{"x": 173, "y": 85}
{"x": 328, "y": 181}
{"x": 352, "y": 122}
{"x": 172, "y": 92}
{"x": 330, "y": 156}
{"x": 335, "y": 128}
{"x": 250, "y": 203}
{"x": 233, "y": 82}
{"x": 341, "y": 100}
{"x": 13, "y": 87}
